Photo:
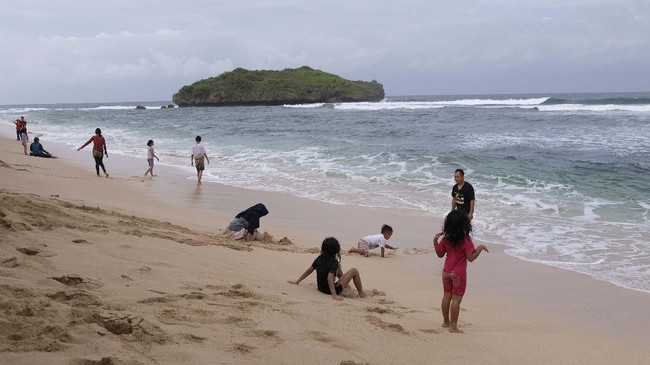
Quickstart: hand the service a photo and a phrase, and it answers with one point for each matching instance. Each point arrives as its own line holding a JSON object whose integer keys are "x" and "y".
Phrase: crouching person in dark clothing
{"x": 246, "y": 223}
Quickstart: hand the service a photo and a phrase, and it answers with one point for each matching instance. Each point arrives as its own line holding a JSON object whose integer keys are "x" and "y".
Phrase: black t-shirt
{"x": 323, "y": 266}
{"x": 463, "y": 197}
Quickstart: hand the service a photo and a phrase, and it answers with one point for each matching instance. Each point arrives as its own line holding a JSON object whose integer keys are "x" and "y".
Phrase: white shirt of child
{"x": 198, "y": 150}
{"x": 375, "y": 240}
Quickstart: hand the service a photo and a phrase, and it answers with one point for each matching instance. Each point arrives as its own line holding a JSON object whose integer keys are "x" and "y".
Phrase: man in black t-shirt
{"x": 462, "y": 194}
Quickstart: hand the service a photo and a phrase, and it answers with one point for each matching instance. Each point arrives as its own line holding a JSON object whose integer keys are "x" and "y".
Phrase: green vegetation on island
{"x": 264, "y": 87}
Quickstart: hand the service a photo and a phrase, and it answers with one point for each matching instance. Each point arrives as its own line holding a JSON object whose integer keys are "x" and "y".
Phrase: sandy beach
{"x": 129, "y": 270}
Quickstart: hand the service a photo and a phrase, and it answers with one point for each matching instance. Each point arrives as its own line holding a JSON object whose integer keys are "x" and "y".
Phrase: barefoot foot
{"x": 455, "y": 330}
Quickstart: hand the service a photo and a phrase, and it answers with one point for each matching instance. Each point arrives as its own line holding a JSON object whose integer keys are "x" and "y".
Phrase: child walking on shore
{"x": 328, "y": 268}
{"x": 23, "y": 140}
{"x": 458, "y": 246}
{"x": 198, "y": 156}
{"x": 150, "y": 156}
{"x": 371, "y": 242}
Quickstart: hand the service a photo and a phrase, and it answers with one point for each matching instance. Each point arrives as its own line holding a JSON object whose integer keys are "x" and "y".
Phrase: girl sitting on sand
{"x": 328, "y": 267}
{"x": 459, "y": 248}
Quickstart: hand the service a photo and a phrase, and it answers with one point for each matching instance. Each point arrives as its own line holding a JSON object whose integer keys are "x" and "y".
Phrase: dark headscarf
{"x": 252, "y": 215}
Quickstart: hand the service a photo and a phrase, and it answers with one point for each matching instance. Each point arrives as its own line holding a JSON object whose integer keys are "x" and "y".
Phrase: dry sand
{"x": 128, "y": 270}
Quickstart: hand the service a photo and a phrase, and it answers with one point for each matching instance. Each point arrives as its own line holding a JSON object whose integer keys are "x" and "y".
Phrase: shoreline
{"x": 217, "y": 197}
{"x": 510, "y": 303}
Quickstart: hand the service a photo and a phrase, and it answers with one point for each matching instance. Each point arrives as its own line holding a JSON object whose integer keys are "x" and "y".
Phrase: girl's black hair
{"x": 386, "y": 228}
{"x": 98, "y": 131}
{"x": 150, "y": 142}
{"x": 330, "y": 247}
{"x": 457, "y": 227}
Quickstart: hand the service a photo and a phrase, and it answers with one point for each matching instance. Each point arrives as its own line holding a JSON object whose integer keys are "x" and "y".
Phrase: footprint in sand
{"x": 29, "y": 251}
{"x": 80, "y": 241}
{"x": 241, "y": 348}
{"x": 380, "y": 310}
{"x": 266, "y": 335}
{"x": 10, "y": 262}
{"x": 192, "y": 338}
{"x": 417, "y": 251}
{"x": 155, "y": 300}
{"x": 321, "y": 337}
{"x": 75, "y": 298}
{"x": 142, "y": 330}
{"x": 324, "y": 338}
{"x": 239, "y": 321}
{"x": 395, "y": 327}
{"x": 76, "y": 280}
{"x": 103, "y": 361}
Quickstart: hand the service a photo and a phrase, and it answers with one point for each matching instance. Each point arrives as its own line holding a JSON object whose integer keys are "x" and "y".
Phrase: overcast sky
{"x": 142, "y": 50}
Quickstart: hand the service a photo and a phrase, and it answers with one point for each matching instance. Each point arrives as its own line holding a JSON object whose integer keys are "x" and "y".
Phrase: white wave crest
{"x": 593, "y": 108}
{"x": 384, "y": 105}
{"x": 387, "y": 105}
{"x": 300, "y": 106}
{"x": 20, "y": 110}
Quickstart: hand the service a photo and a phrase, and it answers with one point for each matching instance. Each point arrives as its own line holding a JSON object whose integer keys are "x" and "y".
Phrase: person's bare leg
{"x": 454, "y": 311}
{"x": 446, "y": 303}
{"x": 358, "y": 250}
{"x": 199, "y": 174}
{"x": 353, "y": 274}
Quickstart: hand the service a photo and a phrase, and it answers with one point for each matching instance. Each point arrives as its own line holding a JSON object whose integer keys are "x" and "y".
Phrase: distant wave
{"x": 116, "y": 107}
{"x": 20, "y": 110}
{"x": 384, "y": 105}
{"x": 604, "y": 101}
{"x": 300, "y": 106}
{"x": 594, "y": 108}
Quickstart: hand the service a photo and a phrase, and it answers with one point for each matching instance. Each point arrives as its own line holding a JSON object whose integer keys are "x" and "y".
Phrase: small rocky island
{"x": 264, "y": 87}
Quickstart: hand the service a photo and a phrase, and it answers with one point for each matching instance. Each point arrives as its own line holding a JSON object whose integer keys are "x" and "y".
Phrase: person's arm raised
{"x": 477, "y": 252}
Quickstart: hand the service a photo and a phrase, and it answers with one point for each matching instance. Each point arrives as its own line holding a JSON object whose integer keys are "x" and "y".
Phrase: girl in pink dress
{"x": 459, "y": 248}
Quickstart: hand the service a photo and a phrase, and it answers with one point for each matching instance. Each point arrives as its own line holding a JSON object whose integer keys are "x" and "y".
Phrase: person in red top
{"x": 459, "y": 248}
{"x": 19, "y": 128}
{"x": 99, "y": 150}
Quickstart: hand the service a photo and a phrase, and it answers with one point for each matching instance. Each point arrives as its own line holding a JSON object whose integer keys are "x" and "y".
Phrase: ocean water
{"x": 559, "y": 179}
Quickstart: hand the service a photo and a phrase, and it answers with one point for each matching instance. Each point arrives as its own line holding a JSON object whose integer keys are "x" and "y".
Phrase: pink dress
{"x": 454, "y": 272}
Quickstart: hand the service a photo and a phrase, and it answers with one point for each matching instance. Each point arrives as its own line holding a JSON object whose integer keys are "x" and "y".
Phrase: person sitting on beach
{"x": 36, "y": 149}
{"x": 328, "y": 268}
{"x": 371, "y": 242}
{"x": 246, "y": 223}
{"x": 459, "y": 248}
{"x": 198, "y": 155}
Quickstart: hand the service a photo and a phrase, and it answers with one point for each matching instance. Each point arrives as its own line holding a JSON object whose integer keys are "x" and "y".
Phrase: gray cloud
{"x": 79, "y": 51}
